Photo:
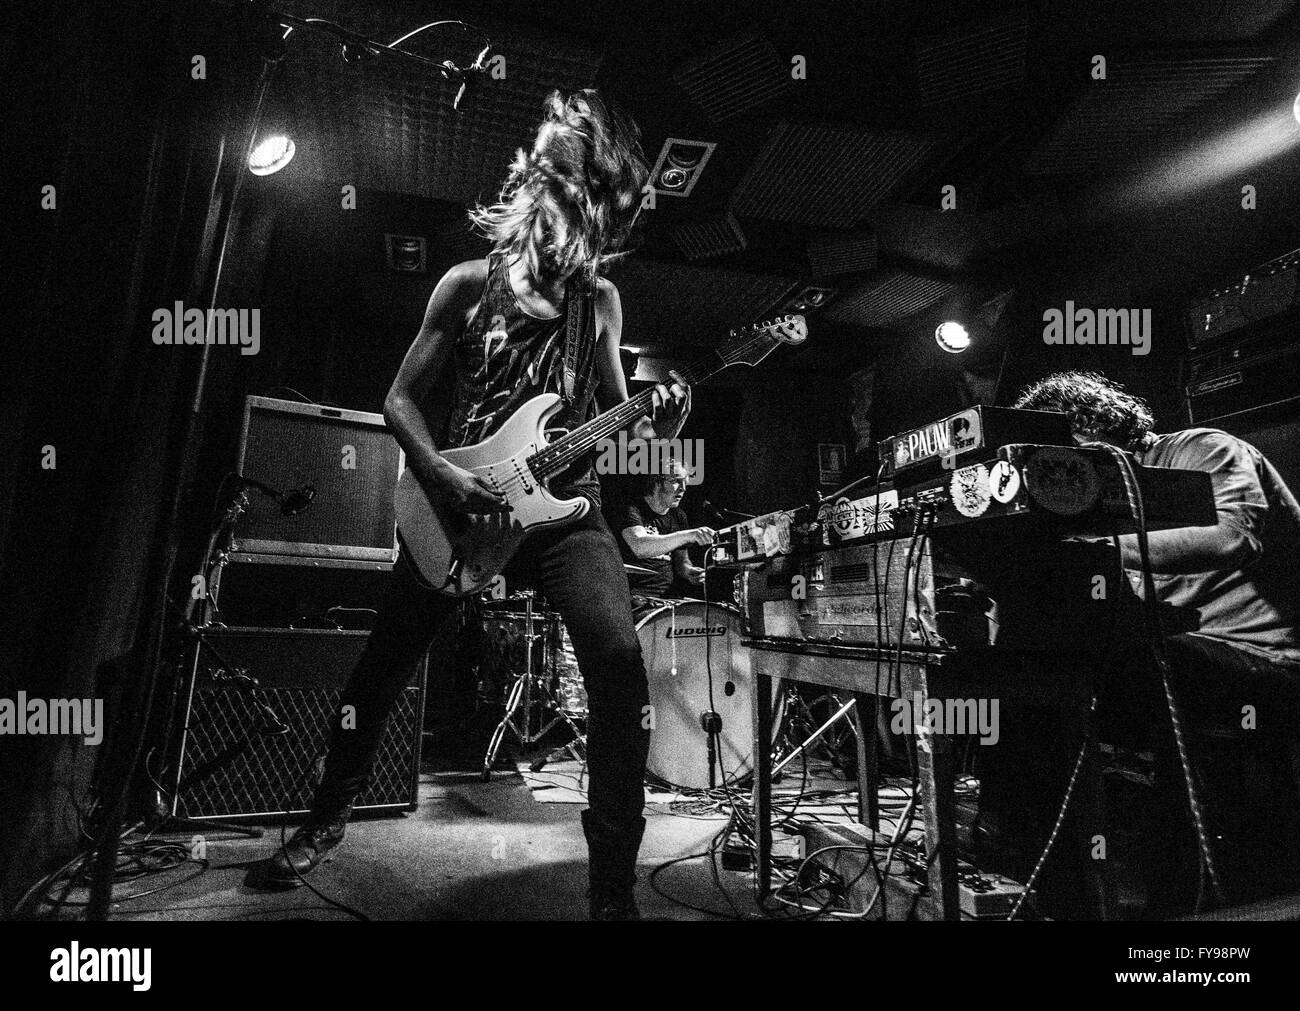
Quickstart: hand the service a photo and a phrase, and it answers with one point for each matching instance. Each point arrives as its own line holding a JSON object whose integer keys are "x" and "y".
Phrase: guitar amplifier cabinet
{"x": 349, "y": 458}
{"x": 1264, "y": 292}
{"x": 1256, "y": 370}
{"x": 252, "y": 682}
{"x": 289, "y": 591}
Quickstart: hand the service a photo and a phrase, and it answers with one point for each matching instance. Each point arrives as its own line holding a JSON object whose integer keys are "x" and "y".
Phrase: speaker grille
{"x": 886, "y": 299}
{"x": 714, "y": 236}
{"x": 971, "y": 61}
{"x": 1145, "y": 95}
{"x": 735, "y": 76}
{"x": 351, "y": 460}
{"x": 274, "y": 775}
{"x": 828, "y": 176}
{"x": 300, "y": 677}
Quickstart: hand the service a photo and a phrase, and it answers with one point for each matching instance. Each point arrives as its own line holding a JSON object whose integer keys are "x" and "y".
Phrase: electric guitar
{"x": 459, "y": 553}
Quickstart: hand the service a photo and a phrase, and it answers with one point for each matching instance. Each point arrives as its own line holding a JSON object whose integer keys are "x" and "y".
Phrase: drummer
{"x": 653, "y": 534}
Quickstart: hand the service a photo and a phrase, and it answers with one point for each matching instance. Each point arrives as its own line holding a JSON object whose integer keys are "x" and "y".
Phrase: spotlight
{"x": 1295, "y": 109}
{"x": 952, "y": 337}
{"x": 270, "y": 155}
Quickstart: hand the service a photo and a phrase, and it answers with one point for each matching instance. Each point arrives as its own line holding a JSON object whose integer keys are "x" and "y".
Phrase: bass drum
{"x": 681, "y": 645}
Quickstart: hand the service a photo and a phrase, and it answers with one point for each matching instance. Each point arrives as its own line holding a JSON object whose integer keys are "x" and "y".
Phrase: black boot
{"x": 320, "y": 833}
{"x": 612, "y": 867}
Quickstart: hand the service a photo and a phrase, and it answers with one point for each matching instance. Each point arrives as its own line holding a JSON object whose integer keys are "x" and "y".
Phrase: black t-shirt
{"x": 638, "y": 514}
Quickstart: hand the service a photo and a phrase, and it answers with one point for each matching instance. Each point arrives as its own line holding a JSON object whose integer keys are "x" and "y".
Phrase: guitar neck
{"x": 568, "y": 448}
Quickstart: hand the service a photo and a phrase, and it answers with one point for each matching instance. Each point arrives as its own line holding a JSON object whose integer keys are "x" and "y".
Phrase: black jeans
{"x": 1243, "y": 778}
{"x": 579, "y": 570}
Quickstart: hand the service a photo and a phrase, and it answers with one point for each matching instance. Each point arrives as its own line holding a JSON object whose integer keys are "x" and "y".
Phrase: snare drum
{"x": 682, "y": 641}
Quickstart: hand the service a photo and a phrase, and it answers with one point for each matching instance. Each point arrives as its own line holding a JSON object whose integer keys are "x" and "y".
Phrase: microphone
{"x": 474, "y": 69}
{"x": 297, "y": 500}
{"x": 719, "y": 514}
{"x": 292, "y": 502}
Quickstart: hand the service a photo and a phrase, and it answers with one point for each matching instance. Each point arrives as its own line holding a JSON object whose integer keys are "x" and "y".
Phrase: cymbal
{"x": 637, "y": 570}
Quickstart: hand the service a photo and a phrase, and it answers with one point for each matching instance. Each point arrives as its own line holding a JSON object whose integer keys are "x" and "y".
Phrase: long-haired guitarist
{"x": 534, "y": 317}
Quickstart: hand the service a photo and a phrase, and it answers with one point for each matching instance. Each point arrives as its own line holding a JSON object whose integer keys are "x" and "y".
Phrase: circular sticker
{"x": 1062, "y": 480}
{"x": 1004, "y": 481}
{"x": 970, "y": 490}
{"x": 842, "y": 516}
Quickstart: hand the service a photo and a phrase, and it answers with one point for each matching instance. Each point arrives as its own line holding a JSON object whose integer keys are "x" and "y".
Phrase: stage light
{"x": 1225, "y": 156}
{"x": 271, "y": 154}
{"x": 952, "y": 337}
{"x": 1295, "y": 108}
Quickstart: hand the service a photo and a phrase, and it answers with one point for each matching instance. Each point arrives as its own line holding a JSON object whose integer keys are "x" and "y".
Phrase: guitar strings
{"x": 570, "y": 453}
{"x": 515, "y": 482}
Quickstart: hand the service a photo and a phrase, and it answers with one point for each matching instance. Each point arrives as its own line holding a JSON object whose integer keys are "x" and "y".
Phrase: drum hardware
{"x": 711, "y": 724}
{"x": 530, "y": 691}
{"x": 846, "y": 710}
{"x": 570, "y": 695}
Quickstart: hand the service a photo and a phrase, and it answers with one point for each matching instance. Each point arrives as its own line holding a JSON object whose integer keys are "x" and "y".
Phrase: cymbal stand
{"x": 846, "y": 710}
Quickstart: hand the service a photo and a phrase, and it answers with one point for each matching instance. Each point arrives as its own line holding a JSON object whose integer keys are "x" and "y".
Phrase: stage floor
{"x": 471, "y": 851}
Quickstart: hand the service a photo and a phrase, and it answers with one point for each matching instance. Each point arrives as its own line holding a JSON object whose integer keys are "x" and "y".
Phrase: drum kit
{"x": 701, "y": 691}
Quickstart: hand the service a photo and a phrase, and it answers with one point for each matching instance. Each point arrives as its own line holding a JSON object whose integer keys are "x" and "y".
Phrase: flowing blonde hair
{"x": 569, "y": 205}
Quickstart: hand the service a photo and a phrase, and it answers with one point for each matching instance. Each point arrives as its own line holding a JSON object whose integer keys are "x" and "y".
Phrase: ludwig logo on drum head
{"x": 683, "y": 633}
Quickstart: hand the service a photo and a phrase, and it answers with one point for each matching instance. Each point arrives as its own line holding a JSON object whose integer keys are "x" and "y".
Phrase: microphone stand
{"x": 355, "y": 44}
{"x": 711, "y": 724}
{"x": 162, "y": 816}
{"x": 226, "y": 187}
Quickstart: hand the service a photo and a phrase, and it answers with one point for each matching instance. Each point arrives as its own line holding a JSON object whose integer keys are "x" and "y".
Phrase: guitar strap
{"x": 576, "y": 387}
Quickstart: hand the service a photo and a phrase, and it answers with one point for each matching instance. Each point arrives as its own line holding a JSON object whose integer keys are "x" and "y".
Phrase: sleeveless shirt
{"x": 505, "y": 357}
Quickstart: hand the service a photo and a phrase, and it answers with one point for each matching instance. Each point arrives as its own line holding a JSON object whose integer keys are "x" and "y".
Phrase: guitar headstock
{"x": 751, "y": 344}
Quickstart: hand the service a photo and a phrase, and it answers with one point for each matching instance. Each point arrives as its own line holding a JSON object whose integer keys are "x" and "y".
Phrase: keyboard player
{"x": 1239, "y": 578}
{"x": 1236, "y": 588}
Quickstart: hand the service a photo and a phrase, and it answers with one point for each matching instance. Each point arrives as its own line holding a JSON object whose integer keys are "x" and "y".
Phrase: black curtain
{"x": 130, "y": 136}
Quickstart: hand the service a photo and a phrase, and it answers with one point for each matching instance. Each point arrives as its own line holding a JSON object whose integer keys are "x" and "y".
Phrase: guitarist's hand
{"x": 467, "y": 492}
{"x": 670, "y": 406}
